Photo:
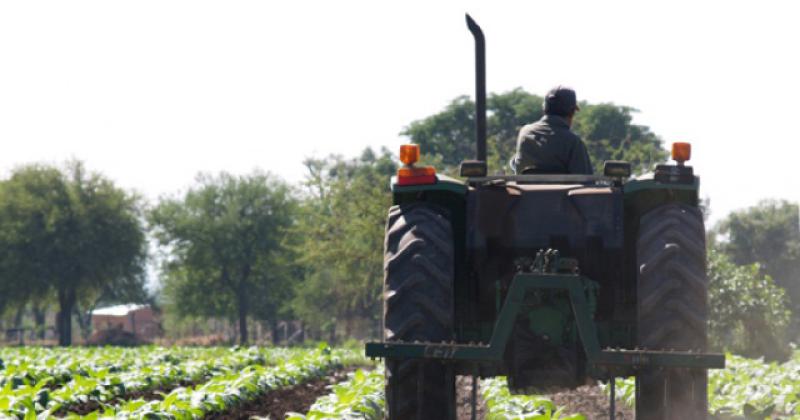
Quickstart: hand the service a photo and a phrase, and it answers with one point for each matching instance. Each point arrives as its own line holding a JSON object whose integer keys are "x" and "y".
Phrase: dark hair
{"x": 560, "y": 101}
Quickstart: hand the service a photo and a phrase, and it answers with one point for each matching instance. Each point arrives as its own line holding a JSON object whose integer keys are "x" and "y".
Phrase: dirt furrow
{"x": 94, "y": 405}
{"x": 591, "y": 401}
{"x": 277, "y": 403}
{"x": 464, "y": 399}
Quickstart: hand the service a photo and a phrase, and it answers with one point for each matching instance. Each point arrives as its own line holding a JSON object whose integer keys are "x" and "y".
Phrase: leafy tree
{"x": 449, "y": 134}
{"x": 749, "y": 313}
{"x": 341, "y": 240}
{"x": 225, "y": 241}
{"x": 71, "y": 232}
{"x": 609, "y": 134}
{"x": 607, "y": 130}
{"x": 507, "y": 113}
{"x": 767, "y": 234}
{"x": 26, "y": 196}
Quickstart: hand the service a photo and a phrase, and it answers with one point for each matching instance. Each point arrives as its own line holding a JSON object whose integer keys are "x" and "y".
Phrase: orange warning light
{"x": 409, "y": 154}
{"x": 681, "y": 152}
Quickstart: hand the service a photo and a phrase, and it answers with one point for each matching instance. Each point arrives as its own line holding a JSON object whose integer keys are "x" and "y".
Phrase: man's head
{"x": 561, "y": 101}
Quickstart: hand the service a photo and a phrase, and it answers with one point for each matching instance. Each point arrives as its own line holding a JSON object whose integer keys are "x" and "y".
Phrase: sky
{"x": 150, "y": 93}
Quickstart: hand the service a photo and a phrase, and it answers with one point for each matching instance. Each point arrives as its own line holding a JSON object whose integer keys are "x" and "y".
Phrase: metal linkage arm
{"x": 494, "y": 351}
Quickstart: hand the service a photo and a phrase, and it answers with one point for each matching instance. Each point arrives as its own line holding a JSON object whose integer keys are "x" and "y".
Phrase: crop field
{"x": 746, "y": 389}
{"x": 171, "y": 383}
{"x": 308, "y": 383}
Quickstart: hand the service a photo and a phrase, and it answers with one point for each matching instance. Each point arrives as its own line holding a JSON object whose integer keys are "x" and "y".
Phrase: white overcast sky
{"x": 152, "y": 92}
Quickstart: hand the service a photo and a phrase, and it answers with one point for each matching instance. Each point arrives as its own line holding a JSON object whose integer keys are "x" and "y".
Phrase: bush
{"x": 748, "y": 313}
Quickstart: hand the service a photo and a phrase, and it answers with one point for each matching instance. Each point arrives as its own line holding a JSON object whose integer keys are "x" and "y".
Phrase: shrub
{"x": 748, "y": 313}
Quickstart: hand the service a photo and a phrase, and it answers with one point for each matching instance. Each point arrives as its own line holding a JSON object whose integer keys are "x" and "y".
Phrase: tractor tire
{"x": 672, "y": 310}
{"x": 418, "y": 306}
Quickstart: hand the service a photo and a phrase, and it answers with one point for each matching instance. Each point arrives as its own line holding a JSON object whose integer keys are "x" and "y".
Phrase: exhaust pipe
{"x": 480, "y": 87}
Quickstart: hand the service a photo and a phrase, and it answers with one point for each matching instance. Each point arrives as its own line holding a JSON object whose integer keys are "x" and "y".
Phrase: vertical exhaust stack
{"x": 480, "y": 87}
{"x": 477, "y": 168}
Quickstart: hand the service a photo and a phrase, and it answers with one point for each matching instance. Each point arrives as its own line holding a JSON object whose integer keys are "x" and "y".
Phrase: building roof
{"x": 118, "y": 310}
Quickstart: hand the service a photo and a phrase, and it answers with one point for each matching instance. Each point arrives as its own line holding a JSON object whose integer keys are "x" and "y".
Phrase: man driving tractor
{"x": 548, "y": 146}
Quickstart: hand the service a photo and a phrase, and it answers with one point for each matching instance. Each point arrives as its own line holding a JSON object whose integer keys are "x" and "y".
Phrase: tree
{"x": 71, "y": 232}
{"x": 609, "y": 134}
{"x": 606, "y": 129}
{"x": 225, "y": 240}
{"x": 767, "y": 234}
{"x": 749, "y": 313}
{"x": 340, "y": 241}
{"x": 449, "y": 134}
{"x": 25, "y": 196}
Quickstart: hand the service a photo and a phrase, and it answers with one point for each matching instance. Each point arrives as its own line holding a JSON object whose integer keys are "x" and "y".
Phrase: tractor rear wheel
{"x": 418, "y": 306}
{"x": 672, "y": 305}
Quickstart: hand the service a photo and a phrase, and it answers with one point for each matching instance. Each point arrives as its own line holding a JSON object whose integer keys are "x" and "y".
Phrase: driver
{"x": 548, "y": 146}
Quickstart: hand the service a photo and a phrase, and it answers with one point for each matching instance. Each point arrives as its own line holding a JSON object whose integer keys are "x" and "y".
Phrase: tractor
{"x": 552, "y": 280}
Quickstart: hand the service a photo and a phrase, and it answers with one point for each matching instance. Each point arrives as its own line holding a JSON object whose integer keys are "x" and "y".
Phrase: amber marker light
{"x": 681, "y": 152}
{"x": 410, "y": 174}
{"x": 409, "y": 154}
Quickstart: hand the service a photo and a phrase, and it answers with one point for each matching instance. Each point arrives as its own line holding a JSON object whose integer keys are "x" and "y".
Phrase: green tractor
{"x": 552, "y": 280}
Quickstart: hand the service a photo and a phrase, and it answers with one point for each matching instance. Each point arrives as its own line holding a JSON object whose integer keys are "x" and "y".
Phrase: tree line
{"x": 253, "y": 247}
{"x": 236, "y": 247}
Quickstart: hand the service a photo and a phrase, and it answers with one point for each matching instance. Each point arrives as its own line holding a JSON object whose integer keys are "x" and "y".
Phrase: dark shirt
{"x": 548, "y": 146}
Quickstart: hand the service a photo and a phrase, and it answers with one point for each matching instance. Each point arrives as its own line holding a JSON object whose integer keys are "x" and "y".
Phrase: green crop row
{"x": 755, "y": 389}
{"x": 225, "y": 392}
{"x": 102, "y": 383}
{"x": 746, "y": 389}
{"x": 29, "y": 365}
{"x": 501, "y": 404}
{"x": 360, "y": 397}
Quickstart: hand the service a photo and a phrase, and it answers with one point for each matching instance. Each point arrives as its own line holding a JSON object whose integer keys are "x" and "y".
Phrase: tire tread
{"x": 418, "y": 306}
{"x": 672, "y": 305}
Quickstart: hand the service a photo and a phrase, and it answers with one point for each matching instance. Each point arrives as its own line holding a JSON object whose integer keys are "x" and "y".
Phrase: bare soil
{"x": 591, "y": 401}
{"x": 464, "y": 399}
